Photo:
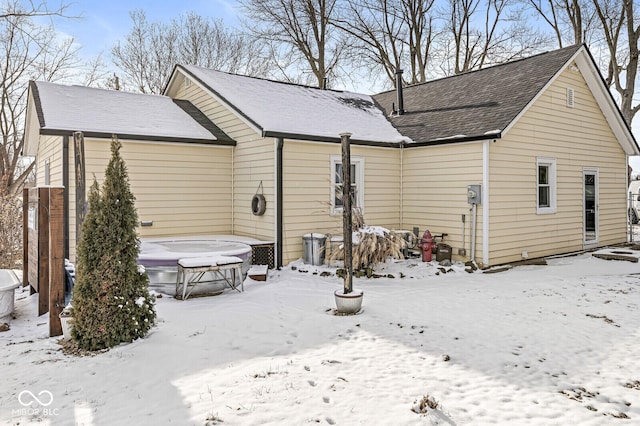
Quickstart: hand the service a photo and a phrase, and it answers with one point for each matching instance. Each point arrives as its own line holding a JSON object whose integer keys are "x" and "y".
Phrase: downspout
{"x": 65, "y": 197}
{"x": 485, "y": 203}
{"x": 279, "y": 201}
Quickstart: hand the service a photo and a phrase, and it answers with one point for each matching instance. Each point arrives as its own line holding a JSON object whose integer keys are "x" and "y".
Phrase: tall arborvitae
{"x": 111, "y": 301}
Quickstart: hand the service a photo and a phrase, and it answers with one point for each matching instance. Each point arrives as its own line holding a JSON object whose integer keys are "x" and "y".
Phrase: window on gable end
{"x": 356, "y": 185}
{"x": 546, "y": 185}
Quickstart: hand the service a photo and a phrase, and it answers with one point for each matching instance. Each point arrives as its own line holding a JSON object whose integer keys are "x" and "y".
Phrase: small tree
{"x": 111, "y": 301}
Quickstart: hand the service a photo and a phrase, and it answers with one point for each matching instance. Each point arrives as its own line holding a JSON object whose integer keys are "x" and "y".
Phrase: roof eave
{"x": 34, "y": 106}
{"x": 327, "y": 139}
{"x": 137, "y": 137}
{"x": 457, "y": 139}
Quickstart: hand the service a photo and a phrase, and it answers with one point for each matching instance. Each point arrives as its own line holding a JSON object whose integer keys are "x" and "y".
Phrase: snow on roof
{"x": 284, "y": 108}
{"x": 78, "y": 108}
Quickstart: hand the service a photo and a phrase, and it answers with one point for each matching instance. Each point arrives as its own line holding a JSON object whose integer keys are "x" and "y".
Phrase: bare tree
{"x": 391, "y": 34}
{"x": 299, "y": 33}
{"x": 28, "y": 52}
{"x": 16, "y": 8}
{"x": 209, "y": 44}
{"x": 572, "y": 21}
{"x": 147, "y": 55}
{"x": 377, "y": 32}
{"x": 487, "y": 32}
{"x": 416, "y": 13}
{"x": 151, "y": 49}
{"x": 621, "y": 34}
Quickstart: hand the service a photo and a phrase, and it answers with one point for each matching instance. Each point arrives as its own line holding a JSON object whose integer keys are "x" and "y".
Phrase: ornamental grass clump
{"x": 371, "y": 244}
{"x": 111, "y": 301}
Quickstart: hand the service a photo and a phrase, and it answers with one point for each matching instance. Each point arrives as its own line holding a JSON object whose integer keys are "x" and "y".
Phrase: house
{"x": 540, "y": 140}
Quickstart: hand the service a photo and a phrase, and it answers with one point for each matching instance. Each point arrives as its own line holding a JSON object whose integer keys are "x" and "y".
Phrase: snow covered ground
{"x": 543, "y": 345}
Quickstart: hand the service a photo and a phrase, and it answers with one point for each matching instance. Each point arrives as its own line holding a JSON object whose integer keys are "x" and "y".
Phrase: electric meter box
{"x": 474, "y": 194}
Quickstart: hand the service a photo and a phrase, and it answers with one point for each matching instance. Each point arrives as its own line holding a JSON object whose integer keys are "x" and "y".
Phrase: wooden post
{"x": 43, "y": 251}
{"x": 25, "y": 237}
{"x": 346, "y": 212}
{"x": 56, "y": 259}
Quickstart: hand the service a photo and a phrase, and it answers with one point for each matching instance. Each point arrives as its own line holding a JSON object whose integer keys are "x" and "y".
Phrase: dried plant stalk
{"x": 372, "y": 246}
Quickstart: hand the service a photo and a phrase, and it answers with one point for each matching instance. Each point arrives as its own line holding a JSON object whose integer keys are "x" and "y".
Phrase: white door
{"x": 590, "y": 207}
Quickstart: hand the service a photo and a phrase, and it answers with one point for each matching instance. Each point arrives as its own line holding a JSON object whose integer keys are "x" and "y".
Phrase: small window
{"x": 570, "y": 97}
{"x": 356, "y": 184}
{"x": 546, "y": 185}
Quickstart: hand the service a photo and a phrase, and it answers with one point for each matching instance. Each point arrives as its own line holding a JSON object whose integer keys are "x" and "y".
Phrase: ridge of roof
{"x": 574, "y": 48}
{"x": 268, "y": 80}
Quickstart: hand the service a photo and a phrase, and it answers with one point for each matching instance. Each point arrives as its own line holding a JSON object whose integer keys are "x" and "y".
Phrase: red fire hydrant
{"x": 427, "y": 245}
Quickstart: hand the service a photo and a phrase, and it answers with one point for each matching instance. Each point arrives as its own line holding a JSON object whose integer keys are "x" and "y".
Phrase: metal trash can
{"x": 443, "y": 252}
{"x": 314, "y": 247}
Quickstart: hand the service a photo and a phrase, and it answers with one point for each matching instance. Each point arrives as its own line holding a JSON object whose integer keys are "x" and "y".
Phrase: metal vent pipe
{"x": 399, "y": 91}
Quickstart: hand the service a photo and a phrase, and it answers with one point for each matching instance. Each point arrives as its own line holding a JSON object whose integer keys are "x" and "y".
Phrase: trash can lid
{"x": 314, "y": 235}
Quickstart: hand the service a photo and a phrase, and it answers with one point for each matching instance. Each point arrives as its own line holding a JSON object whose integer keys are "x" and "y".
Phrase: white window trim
{"x": 359, "y": 163}
{"x": 553, "y": 187}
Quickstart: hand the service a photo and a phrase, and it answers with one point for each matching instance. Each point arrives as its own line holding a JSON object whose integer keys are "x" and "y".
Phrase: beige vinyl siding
{"x": 49, "y": 150}
{"x": 253, "y": 164}
{"x": 185, "y": 189}
{"x": 307, "y": 191}
{"x": 577, "y": 138}
{"x": 435, "y": 192}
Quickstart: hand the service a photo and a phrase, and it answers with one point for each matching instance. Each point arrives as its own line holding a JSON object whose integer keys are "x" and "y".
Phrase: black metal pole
{"x": 279, "y": 203}
{"x": 346, "y": 212}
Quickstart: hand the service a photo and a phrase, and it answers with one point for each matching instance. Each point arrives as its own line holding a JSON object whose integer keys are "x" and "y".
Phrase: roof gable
{"x": 486, "y": 103}
{"x": 473, "y": 105}
{"x": 63, "y": 109}
{"x": 277, "y": 109}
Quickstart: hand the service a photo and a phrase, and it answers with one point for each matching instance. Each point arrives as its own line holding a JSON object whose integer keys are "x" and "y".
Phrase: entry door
{"x": 590, "y": 216}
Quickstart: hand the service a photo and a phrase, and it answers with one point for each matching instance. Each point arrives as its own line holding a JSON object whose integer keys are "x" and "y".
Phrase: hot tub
{"x": 9, "y": 281}
{"x": 160, "y": 258}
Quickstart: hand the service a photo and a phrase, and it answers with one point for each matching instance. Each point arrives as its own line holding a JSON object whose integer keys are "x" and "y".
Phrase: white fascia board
{"x": 607, "y": 104}
{"x": 207, "y": 90}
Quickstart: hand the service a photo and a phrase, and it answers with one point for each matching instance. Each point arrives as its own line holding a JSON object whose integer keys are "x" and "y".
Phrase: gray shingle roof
{"x": 474, "y": 104}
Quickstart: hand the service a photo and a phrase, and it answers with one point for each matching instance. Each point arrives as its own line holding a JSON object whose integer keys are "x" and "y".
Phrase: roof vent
{"x": 187, "y": 82}
{"x": 399, "y": 91}
{"x": 570, "y": 97}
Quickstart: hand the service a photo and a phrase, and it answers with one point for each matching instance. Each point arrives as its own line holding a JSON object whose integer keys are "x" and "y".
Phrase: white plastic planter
{"x": 67, "y": 322}
{"x": 8, "y": 283}
{"x": 348, "y": 304}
